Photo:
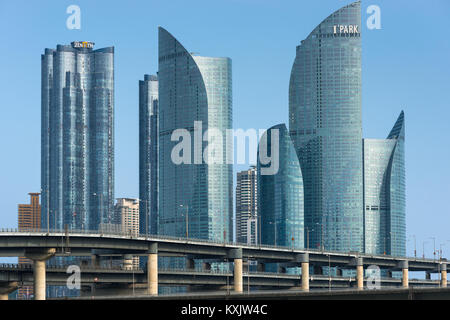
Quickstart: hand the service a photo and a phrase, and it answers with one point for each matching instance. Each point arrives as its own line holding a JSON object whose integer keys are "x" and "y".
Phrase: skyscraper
{"x": 77, "y": 136}
{"x": 195, "y": 95}
{"x": 325, "y": 126}
{"x": 148, "y": 154}
{"x": 280, "y": 195}
{"x": 384, "y": 192}
{"x": 247, "y": 217}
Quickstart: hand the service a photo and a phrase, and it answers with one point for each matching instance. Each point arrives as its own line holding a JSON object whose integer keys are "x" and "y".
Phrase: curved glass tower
{"x": 325, "y": 126}
{"x": 77, "y": 133}
{"x": 195, "y": 95}
{"x": 148, "y": 154}
{"x": 280, "y": 196}
{"x": 384, "y": 192}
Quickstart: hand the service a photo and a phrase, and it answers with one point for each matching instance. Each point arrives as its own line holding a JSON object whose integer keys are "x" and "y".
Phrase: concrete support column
{"x": 152, "y": 269}
{"x": 127, "y": 262}
{"x": 359, "y": 273}
{"x": 404, "y": 266}
{"x": 6, "y": 289}
{"x": 39, "y": 280}
{"x": 238, "y": 282}
{"x": 39, "y": 256}
{"x": 236, "y": 254}
{"x": 444, "y": 275}
{"x": 304, "y": 260}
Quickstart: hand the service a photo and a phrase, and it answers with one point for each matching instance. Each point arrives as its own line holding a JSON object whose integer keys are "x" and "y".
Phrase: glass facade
{"x": 195, "y": 94}
{"x": 280, "y": 196}
{"x": 148, "y": 154}
{"x": 384, "y": 193}
{"x": 77, "y": 132}
{"x": 377, "y": 156}
{"x": 326, "y": 128}
{"x": 397, "y": 191}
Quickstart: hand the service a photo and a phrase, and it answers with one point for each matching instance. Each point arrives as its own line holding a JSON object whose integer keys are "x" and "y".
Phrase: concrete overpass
{"x": 40, "y": 246}
{"x": 412, "y": 293}
{"x": 110, "y": 281}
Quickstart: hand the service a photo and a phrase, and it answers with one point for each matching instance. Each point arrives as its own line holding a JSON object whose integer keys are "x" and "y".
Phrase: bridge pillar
{"x": 39, "y": 256}
{"x": 444, "y": 275}
{"x": 236, "y": 254}
{"x": 360, "y": 273}
{"x": 152, "y": 269}
{"x": 127, "y": 262}
{"x": 404, "y": 266}
{"x": 304, "y": 260}
{"x": 6, "y": 289}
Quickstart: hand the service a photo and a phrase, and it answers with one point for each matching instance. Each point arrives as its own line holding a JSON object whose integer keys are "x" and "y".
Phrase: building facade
{"x": 29, "y": 219}
{"x": 77, "y": 136}
{"x": 247, "y": 218}
{"x": 148, "y": 154}
{"x": 326, "y": 128}
{"x": 384, "y": 192}
{"x": 280, "y": 195}
{"x": 195, "y": 95}
{"x": 126, "y": 211}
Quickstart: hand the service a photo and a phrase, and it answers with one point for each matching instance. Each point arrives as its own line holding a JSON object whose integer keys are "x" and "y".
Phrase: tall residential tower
{"x": 384, "y": 192}
{"x": 247, "y": 217}
{"x": 77, "y": 136}
{"x": 325, "y": 126}
{"x": 148, "y": 154}
{"x": 195, "y": 103}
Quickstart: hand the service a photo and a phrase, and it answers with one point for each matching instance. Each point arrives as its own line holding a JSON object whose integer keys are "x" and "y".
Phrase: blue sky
{"x": 406, "y": 66}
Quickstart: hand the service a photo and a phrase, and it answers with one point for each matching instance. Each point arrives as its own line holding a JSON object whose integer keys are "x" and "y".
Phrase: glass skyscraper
{"x": 77, "y": 136}
{"x": 280, "y": 195}
{"x": 384, "y": 192}
{"x": 148, "y": 154}
{"x": 195, "y": 95}
{"x": 326, "y": 128}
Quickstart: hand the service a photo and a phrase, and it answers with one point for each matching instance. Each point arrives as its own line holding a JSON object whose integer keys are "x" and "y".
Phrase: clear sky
{"x": 406, "y": 66}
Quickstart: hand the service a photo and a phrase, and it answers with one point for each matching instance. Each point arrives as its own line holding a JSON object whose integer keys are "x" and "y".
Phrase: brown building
{"x": 29, "y": 219}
